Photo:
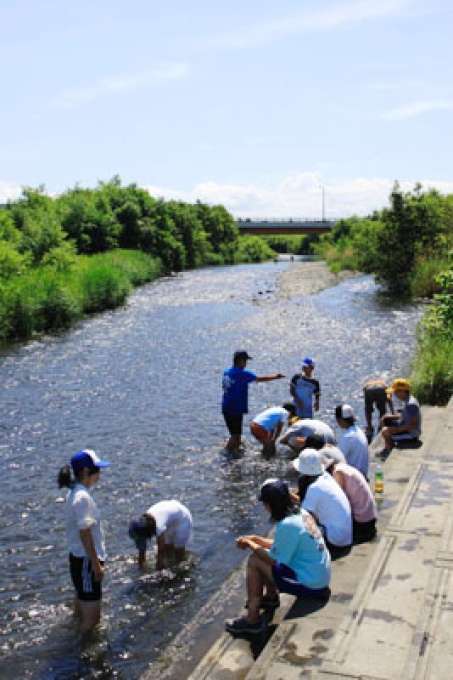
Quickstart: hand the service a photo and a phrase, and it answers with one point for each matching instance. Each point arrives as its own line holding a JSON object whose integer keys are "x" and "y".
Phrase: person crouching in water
{"x": 296, "y": 561}
{"x": 267, "y": 426}
{"x": 171, "y": 523}
{"x": 85, "y": 535}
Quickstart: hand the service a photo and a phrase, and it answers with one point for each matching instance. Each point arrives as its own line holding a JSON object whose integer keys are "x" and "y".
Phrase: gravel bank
{"x": 307, "y": 278}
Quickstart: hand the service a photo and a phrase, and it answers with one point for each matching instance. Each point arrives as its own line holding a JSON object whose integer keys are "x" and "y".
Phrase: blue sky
{"x": 258, "y": 105}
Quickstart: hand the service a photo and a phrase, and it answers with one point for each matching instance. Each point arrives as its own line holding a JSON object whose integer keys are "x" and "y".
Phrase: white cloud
{"x": 325, "y": 19}
{"x": 9, "y": 191}
{"x": 299, "y": 196}
{"x": 417, "y": 109}
{"x": 122, "y": 83}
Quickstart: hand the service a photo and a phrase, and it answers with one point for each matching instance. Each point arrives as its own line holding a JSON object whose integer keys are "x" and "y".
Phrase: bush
{"x": 432, "y": 371}
{"x": 102, "y": 286}
{"x": 424, "y": 282}
{"x": 47, "y": 299}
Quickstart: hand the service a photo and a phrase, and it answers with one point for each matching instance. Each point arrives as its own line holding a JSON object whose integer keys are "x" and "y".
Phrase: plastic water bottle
{"x": 379, "y": 480}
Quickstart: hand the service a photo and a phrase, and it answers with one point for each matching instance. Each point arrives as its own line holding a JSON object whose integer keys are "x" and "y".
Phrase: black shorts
{"x": 363, "y": 532}
{"x": 375, "y": 396}
{"x": 87, "y": 589}
{"x": 234, "y": 423}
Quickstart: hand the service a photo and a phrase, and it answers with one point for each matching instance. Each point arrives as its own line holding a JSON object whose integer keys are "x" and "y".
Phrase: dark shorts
{"x": 234, "y": 423}
{"x": 87, "y": 589}
{"x": 337, "y": 551}
{"x": 286, "y": 581}
{"x": 363, "y": 532}
{"x": 375, "y": 396}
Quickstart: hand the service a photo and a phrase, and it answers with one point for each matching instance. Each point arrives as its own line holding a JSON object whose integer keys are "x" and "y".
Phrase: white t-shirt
{"x": 171, "y": 517}
{"x": 326, "y": 500}
{"x": 354, "y": 445}
{"x": 82, "y": 513}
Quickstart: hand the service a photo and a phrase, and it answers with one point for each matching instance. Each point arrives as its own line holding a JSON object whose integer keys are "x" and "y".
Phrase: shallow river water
{"x": 142, "y": 386}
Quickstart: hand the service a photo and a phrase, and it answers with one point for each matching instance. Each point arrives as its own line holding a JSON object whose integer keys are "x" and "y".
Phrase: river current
{"x": 142, "y": 387}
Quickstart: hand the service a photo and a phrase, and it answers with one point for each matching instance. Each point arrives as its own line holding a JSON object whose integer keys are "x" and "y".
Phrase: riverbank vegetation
{"x": 84, "y": 251}
{"x": 408, "y": 247}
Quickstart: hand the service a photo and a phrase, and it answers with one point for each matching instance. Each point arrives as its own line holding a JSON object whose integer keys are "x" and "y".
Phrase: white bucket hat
{"x": 309, "y": 462}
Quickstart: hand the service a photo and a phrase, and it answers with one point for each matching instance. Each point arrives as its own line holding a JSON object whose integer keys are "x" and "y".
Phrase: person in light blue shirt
{"x": 267, "y": 426}
{"x": 296, "y": 561}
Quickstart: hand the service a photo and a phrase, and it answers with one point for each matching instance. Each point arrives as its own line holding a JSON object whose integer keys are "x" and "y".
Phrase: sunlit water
{"x": 141, "y": 386}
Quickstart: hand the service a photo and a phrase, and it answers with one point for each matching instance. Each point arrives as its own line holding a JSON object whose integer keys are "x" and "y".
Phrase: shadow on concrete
{"x": 304, "y": 607}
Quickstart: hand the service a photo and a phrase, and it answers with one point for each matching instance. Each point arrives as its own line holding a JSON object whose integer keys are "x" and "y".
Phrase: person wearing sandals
{"x": 296, "y": 561}
{"x": 85, "y": 535}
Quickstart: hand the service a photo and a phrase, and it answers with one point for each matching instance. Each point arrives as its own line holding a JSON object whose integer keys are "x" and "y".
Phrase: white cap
{"x": 347, "y": 411}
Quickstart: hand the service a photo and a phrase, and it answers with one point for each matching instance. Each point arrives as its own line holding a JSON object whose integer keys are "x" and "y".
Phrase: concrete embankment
{"x": 390, "y": 613}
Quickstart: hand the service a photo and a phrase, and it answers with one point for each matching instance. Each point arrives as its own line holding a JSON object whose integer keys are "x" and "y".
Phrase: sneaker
{"x": 241, "y": 625}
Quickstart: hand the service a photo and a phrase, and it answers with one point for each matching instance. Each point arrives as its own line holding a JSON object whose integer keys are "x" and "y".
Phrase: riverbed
{"x": 141, "y": 385}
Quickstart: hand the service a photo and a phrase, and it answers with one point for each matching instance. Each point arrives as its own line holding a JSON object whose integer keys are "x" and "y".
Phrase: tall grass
{"x": 424, "y": 279}
{"x": 432, "y": 370}
{"x": 45, "y": 299}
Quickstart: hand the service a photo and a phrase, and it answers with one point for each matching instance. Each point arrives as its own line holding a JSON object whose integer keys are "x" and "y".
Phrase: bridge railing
{"x": 289, "y": 222}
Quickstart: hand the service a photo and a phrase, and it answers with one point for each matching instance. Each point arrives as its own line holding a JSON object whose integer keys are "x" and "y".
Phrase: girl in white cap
{"x": 85, "y": 535}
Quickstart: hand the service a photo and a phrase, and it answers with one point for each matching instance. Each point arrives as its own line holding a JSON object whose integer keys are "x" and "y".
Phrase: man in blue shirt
{"x": 235, "y": 395}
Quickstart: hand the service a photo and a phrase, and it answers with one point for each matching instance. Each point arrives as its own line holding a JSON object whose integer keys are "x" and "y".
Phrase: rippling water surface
{"x": 141, "y": 386}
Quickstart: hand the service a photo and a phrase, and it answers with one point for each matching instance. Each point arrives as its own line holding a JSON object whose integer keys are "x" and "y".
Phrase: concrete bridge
{"x": 277, "y": 226}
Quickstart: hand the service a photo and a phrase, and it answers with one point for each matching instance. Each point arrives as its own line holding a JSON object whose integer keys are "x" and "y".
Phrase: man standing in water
{"x": 235, "y": 395}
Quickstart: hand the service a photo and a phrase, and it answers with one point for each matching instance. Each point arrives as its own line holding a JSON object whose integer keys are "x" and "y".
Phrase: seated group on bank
{"x": 333, "y": 507}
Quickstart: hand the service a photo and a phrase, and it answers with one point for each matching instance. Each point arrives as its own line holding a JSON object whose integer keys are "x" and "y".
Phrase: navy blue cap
{"x": 241, "y": 354}
{"x": 87, "y": 459}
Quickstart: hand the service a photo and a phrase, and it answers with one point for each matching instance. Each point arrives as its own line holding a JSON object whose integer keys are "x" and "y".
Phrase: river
{"x": 142, "y": 386}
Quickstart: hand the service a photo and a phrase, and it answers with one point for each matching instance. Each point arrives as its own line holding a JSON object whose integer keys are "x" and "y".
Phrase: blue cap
{"x": 87, "y": 459}
{"x": 308, "y": 362}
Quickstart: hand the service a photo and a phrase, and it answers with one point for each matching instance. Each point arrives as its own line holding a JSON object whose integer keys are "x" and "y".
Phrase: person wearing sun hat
{"x": 84, "y": 534}
{"x": 171, "y": 522}
{"x": 296, "y": 561}
{"x": 305, "y": 389}
{"x": 404, "y": 426}
{"x": 323, "y": 498}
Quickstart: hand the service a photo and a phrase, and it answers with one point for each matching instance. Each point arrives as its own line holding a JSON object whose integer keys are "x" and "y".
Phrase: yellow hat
{"x": 399, "y": 384}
